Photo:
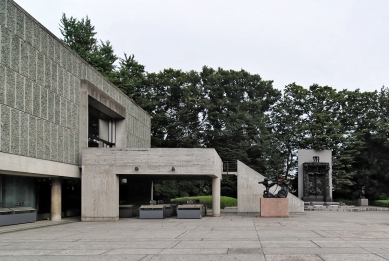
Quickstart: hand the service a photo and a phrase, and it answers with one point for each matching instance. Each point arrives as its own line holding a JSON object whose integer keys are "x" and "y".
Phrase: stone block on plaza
{"x": 363, "y": 202}
{"x": 274, "y": 207}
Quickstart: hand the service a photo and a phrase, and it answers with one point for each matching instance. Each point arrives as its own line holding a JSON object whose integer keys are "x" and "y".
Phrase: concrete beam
{"x": 20, "y": 165}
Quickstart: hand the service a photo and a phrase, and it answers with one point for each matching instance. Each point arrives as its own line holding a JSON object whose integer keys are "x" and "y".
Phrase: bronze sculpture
{"x": 282, "y": 193}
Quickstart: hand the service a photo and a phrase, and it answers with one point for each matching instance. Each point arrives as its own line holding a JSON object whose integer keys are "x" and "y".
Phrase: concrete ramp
{"x": 249, "y": 191}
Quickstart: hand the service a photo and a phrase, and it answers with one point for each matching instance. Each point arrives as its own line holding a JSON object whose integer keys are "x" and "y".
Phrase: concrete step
{"x": 344, "y": 208}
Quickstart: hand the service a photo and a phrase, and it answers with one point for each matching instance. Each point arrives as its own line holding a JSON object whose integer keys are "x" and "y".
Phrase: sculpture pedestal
{"x": 274, "y": 207}
{"x": 363, "y": 202}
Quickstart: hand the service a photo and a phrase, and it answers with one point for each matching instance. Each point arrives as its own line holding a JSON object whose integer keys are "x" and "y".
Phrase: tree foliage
{"x": 245, "y": 118}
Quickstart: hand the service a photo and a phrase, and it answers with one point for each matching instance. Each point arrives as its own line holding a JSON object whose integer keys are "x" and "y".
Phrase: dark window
{"x": 93, "y": 127}
{"x": 99, "y": 121}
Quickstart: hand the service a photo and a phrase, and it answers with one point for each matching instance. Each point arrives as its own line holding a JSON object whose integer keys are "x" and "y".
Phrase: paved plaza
{"x": 316, "y": 235}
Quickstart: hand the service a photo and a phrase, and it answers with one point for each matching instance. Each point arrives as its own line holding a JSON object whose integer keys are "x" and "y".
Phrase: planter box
{"x": 6, "y": 216}
{"x": 151, "y": 211}
{"x": 19, "y": 215}
{"x": 191, "y": 211}
{"x": 125, "y": 211}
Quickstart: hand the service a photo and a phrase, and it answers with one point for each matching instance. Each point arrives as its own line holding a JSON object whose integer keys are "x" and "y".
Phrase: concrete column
{"x": 152, "y": 190}
{"x": 56, "y": 199}
{"x": 216, "y": 197}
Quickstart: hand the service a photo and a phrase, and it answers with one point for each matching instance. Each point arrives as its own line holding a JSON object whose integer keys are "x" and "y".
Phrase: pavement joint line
{"x": 318, "y": 233}
{"x": 381, "y": 256}
{"x": 174, "y": 245}
{"x": 177, "y": 237}
{"x": 315, "y": 243}
{"x": 105, "y": 252}
{"x": 256, "y": 230}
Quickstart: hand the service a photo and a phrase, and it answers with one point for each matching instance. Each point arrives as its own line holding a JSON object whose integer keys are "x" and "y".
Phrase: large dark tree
{"x": 80, "y": 36}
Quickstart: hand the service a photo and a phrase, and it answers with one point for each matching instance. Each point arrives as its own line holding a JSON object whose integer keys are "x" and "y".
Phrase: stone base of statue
{"x": 363, "y": 202}
{"x": 274, "y": 207}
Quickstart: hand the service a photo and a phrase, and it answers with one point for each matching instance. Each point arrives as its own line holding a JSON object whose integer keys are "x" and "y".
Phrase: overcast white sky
{"x": 340, "y": 43}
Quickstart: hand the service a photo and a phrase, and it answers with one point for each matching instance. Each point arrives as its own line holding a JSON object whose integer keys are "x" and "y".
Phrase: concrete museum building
{"x": 68, "y": 136}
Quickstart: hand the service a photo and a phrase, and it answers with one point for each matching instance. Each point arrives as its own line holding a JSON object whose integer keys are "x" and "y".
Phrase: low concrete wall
{"x": 250, "y": 192}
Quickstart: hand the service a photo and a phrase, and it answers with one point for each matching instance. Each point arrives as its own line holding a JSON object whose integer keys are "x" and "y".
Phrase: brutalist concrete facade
{"x": 42, "y": 102}
{"x": 39, "y": 89}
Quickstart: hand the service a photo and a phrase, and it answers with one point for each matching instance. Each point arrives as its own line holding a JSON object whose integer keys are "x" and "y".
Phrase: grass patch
{"x": 224, "y": 201}
{"x": 381, "y": 203}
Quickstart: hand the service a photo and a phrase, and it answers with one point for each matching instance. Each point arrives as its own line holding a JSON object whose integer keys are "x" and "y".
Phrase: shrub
{"x": 382, "y": 203}
{"x": 224, "y": 201}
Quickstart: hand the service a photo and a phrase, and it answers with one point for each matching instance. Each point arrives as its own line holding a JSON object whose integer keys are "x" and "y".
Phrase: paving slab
{"x": 351, "y": 257}
{"x": 293, "y": 258}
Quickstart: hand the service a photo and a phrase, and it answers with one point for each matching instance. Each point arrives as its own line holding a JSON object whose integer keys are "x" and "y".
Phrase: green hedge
{"x": 224, "y": 201}
{"x": 381, "y": 203}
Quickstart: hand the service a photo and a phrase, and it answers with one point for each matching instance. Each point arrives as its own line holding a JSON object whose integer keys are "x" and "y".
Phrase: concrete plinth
{"x": 274, "y": 207}
{"x": 363, "y": 202}
{"x": 55, "y": 199}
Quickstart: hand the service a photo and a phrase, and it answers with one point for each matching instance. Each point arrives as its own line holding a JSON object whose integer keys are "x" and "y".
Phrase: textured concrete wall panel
{"x": 40, "y": 69}
{"x": 32, "y": 137}
{"x": 54, "y": 142}
{"x": 29, "y": 30}
{"x": 3, "y": 11}
{"x": 46, "y": 139}
{"x": 5, "y": 47}
{"x": 40, "y": 141}
{"x": 24, "y": 125}
{"x": 5, "y": 128}
{"x": 63, "y": 112}
{"x": 10, "y": 93}
{"x": 51, "y": 106}
{"x": 15, "y": 53}
{"x": 60, "y": 81}
{"x": 32, "y": 60}
{"x": 2, "y": 84}
{"x": 28, "y": 96}
{"x": 60, "y": 144}
{"x": 19, "y": 92}
{"x": 24, "y": 50}
{"x": 36, "y": 94}
{"x": 20, "y": 24}
{"x": 43, "y": 100}
{"x": 15, "y": 131}
{"x": 57, "y": 109}
{"x": 47, "y": 73}
{"x": 36, "y": 37}
{"x": 11, "y": 16}
{"x": 54, "y": 77}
